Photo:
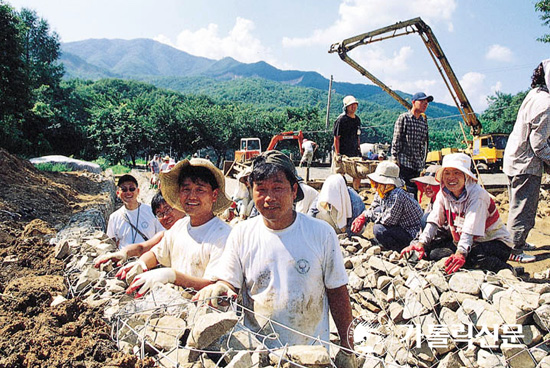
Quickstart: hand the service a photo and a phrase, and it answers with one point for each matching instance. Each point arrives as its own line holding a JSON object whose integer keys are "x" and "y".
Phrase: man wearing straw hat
{"x": 395, "y": 213}
{"x": 191, "y": 249}
{"x": 287, "y": 265}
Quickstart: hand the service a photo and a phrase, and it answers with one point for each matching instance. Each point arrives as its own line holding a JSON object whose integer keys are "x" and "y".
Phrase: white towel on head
{"x": 335, "y": 193}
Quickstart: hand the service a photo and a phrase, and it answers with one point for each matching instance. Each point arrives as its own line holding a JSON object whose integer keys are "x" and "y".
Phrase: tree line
{"x": 122, "y": 120}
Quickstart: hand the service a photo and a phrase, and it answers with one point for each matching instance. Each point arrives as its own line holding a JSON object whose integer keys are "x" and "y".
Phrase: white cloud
{"x": 499, "y": 53}
{"x": 474, "y": 87}
{"x": 239, "y": 43}
{"x": 359, "y": 16}
{"x": 380, "y": 63}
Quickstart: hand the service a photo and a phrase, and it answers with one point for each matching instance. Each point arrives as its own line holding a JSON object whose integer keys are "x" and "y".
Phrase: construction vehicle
{"x": 418, "y": 26}
{"x": 252, "y": 147}
{"x": 487, "y": 151}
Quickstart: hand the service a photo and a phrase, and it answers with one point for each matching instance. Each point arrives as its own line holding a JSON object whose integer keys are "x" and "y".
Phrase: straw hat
{"x": 428, "y": 177}
{"x": 386, "y": 173}
{"x": 459, "y": 161}
{"x": 170, "y": 187}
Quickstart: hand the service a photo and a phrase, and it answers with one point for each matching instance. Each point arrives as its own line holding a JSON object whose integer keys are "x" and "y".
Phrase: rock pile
{"x": 414, "y": 314}
{"x": 407, "y": 314}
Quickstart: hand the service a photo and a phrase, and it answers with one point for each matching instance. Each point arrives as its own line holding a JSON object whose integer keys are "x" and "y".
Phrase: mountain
{"x": 152, "y": 61}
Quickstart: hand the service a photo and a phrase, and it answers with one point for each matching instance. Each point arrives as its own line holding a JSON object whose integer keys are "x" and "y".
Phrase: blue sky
{"x": 491, "y": 44}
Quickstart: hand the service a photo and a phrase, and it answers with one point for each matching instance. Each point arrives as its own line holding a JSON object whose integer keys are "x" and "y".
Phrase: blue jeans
{"x": 392, "y": 237}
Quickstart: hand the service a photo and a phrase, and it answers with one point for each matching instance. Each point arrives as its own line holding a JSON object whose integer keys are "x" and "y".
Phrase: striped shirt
{"x": 410, "y": 141}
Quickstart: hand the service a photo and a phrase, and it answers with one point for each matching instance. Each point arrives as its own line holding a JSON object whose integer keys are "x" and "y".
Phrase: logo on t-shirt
{"x": 144, "y": 225}
{"x": 303, "y": 266}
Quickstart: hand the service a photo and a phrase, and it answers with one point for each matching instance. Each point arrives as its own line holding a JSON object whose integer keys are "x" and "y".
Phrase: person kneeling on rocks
{"x": 192, "y": 248}
{"x": 395, "y": 213}
{"x": 479, "y": 237}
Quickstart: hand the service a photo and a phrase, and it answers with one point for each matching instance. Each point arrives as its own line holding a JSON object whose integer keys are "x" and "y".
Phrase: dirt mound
{"x": 33, "y": 206}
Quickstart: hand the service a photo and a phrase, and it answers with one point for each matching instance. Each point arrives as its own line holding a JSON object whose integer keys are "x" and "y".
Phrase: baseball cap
{"x": 418, "y": 96}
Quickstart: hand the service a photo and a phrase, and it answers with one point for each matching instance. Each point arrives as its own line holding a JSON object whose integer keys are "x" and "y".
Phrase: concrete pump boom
{"x": 415, "y": 25}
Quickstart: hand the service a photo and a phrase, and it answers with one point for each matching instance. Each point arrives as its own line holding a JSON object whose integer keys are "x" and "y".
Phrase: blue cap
{"x": 418, "y": 96}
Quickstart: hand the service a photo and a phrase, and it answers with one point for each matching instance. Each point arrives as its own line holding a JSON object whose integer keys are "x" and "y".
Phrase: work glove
{"x": 358, "y": 224}
{"x": 148, "y": 279}
{"x": 345, "y": 359}
{"x": 414, "y": 247}
{"x": 131, "y": 270}
{"x": 118, "y": 257}
{"x": 454, "y": 262}
{"x": 212, "y": 293}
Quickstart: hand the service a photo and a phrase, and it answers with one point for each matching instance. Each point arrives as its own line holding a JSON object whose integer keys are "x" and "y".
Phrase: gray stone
{"x": 382, "y": 282}
{"x": 355, "y": 282}
{"x": 180, "y": 356}
{"x": 544, "y": 299}
{"x": 466, "y": 282}
{"x": 211, "y": 327}
{"x": 542, "y": 317}
{"x": 531, "y": 335}
{"x": 518, "y": 357}
{"x": 489, "y": 290}
{"x": 59, "y": 299}
{"x": 523, "y": 299}
{"x": 451, "y": 360}
{"x": 386, "y": 267}
{"x": 370, "y": 280}
{"x": 415, "y": 281}
{"x": 413, "y": 308}
{"x": 361, "y": 271}
{"x": 438, "y": 281}
{"x": 309, "y": 355}
{"x": 243, "y": 359}
{"x": 164, "y": 333}
{"x": 544, "y": 363}
{"x": 373, "y": 362}
{"x": 62, "y": 250}
{"x": 396, "y": 312}
{"x": 374, "y": 250}
{"x": 453, "y": 300}
{"x": 489, "y": 359}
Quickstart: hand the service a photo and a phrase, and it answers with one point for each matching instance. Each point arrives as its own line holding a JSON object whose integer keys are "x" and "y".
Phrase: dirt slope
{"x": 33, "y": 206}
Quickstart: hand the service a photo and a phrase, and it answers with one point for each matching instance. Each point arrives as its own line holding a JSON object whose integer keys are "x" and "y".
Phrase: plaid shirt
{"x": 410, "y": 141}
{"x": 397, "y": 208}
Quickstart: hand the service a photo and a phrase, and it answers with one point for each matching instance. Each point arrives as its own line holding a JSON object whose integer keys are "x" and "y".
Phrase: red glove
{"x": 454, "y": 262}
{"x": 419, "y": 247}
{"x": 358, "y": 224}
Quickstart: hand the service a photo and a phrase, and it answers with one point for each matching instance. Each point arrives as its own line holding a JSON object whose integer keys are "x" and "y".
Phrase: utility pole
{"x": 328, "y": 102}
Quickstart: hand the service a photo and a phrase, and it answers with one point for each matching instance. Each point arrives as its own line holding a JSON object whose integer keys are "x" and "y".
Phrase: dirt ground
{"x": 33, "y": 206}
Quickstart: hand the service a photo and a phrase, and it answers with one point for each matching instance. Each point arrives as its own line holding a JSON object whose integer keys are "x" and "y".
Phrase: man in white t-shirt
{"x": 309, "y": 147}
{"x": 191, "y": 249}
{"x": 134, "y": 222}
{"x": 288, "y": 266}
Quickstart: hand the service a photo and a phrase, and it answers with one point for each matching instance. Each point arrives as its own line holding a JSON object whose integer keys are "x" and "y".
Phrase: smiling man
{"x": 191, "y": 249}
{"x": 167, "y": 217}
{"x": 287, "y": 265}
{"x": 134, "y": 222}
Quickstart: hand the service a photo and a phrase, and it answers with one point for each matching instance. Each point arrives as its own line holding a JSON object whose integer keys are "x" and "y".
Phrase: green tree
{"x": 14, "y": 91}
{"x": 543, "y": 7}
{"x": 500, "y": 115}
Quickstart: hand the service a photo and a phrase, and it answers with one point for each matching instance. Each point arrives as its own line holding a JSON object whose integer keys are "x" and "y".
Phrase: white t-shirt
{"x": 307, "y": 146}
{"x": 193, "y": 250}
{"x": 310, "y": 195}
{"x": 142, "y": 217}
{"x": 283, "y": 275}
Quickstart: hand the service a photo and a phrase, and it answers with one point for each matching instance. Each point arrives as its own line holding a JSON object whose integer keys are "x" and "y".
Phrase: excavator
{"x": 252, "y": 147}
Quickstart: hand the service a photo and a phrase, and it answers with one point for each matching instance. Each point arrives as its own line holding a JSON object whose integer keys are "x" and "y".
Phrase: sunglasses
{"x": 160, "y": 215}
{"x": 131, "y": 189}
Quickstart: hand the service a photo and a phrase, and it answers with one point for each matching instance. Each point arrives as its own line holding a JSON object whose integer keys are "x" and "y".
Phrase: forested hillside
{"x": 209, "y": 105}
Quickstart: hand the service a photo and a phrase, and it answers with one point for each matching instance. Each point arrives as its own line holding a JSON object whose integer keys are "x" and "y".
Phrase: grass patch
{"x": 51, "y": 167}
{"x": 120, "y": 169}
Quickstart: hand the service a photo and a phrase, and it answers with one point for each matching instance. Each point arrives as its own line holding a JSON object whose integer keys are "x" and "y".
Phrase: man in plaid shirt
{"x": 410, "y": 140}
